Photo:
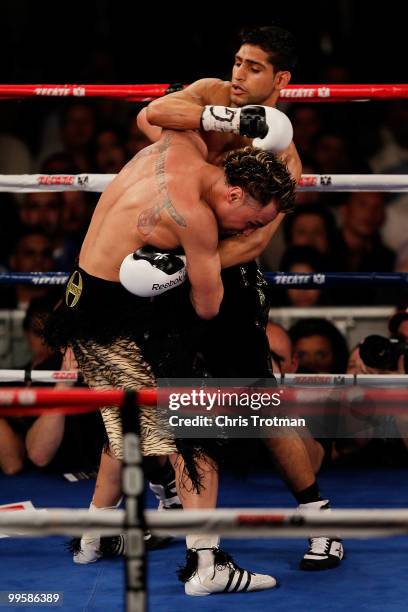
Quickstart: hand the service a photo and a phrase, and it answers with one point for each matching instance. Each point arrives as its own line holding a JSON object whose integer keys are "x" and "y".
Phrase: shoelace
{"x": 319, "y": 546}
{"x": 170, "y": 489}
{"x": 222, "y": 560}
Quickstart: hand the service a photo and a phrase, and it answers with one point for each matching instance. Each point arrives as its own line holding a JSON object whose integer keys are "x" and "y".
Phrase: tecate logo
{"x": 299, "y": 92}
{"x": 298, "y": 279}
{"x": 56, "y": 180}
{"x": 65, "y": 376}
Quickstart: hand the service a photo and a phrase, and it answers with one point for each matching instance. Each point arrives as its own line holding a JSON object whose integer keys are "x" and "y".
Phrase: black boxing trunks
{"x": 127, "y": 342}
{"x": 236, "y": 345}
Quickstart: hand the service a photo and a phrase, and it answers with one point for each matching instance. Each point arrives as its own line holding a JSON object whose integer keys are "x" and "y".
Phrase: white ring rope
{"x": 290, "y": 380}
{"x": 28, "y": 183}
{"x": 235, "y": 523}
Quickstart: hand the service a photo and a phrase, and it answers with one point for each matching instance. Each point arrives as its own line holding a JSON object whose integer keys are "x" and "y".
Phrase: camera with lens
{"x": 383, "y": 353}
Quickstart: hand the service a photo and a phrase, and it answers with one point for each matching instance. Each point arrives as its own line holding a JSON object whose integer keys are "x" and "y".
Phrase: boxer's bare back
{"x": 156, "y": 199}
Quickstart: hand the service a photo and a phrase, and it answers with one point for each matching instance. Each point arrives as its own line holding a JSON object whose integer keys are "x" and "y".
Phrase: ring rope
{"x": 28, "y": 399}
{"x": 145, "y": 93}
{"x": 235, "y": 522}
{"x": 336, "y": 380}
{"x": 296, "y": 280}
{"x": 32, "y": 183}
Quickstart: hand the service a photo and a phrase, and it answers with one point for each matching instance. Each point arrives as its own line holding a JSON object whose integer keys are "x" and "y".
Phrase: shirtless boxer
{"x": 262, "y": 68}
{"x": 167, "y": 197}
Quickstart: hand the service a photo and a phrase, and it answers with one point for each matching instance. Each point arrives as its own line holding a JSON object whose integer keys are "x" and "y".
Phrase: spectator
{"x": 319, "y": 347}
{"x": 355, "y": 365}
{"x": 63, "y": 217}
{"x": 77, "y": 132}
{"x": 51, "y": 440}
{"x": 302, "y": 259}
{"x": 110, "y": 153}
{"x": 42, "y": 211}
{"x": 401, "y": 261}
{"x": 367, "y": 429}
{"x": 362, "y": 250}
{"x": 332, "y": 155}
{"x": 363, "y": 215}
{"x": 280, "y": 345}
{"x": 32, "y": 253}
{"x": 307, "y": 125}
{"x": 59, "y": 163}
{"x": 15, "y": 156}
{"x": 70, "y": 132}
{"x": 394, "y": 134}
{"x": 13, "y": 431}
{"x": 313, "y": 226}
{"x": 77, "y": 208}
{"x": 398, "y": 323}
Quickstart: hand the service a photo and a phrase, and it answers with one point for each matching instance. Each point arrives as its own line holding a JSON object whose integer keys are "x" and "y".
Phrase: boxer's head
{"x": 257, "y": 187}
{"x": 262, "y": 66}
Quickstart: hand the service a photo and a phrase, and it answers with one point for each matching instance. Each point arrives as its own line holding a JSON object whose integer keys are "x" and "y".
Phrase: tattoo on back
{"x": 150, "y": 217}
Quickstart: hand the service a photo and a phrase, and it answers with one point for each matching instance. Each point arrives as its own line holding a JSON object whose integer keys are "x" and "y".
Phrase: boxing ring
{"x": 252, "y": 523}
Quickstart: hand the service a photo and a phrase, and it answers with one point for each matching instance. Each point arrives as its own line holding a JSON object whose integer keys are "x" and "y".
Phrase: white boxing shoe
{"x": 91, "y": 548}
{"x": 211, "y": 570}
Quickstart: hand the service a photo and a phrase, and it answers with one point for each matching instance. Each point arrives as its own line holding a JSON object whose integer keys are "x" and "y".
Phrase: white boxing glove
{"x": 270, "y": 128}
{"x": 147, "y": 273}
{"x": 280, "y": 132}
{"x": 247, "y": 121}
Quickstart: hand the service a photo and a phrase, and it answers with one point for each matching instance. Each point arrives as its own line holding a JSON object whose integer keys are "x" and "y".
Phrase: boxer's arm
{"x": 203, "y": 265}
{"x": 291, "y": 158}
{"x": 152, "y": 132}
{"x": 181, "y": 110}
{"x": 242, "y": 249}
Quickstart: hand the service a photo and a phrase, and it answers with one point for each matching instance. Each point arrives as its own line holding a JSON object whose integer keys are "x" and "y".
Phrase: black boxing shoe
{"x": 90, "y": 549}
{"x": 323, "y": 552}
{"x": 166, "y": 495}
{"x": 154, "y": 542}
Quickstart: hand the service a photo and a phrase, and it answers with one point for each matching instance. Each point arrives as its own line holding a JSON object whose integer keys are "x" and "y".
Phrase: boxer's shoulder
{"x": 210, "y": 91}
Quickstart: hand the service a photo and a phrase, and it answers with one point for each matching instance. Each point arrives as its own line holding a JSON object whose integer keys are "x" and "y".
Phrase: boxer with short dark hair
{"x": 243, "y": 108}
{"x": 126, "y": 334}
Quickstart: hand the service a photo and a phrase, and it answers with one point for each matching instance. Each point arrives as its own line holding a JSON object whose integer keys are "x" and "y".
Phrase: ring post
{"x": 133, "y": 490}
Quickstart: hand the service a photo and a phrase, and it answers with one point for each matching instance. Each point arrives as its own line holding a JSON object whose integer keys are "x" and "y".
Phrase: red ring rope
{"x": 141, "y": 93}
{"x": 10, "y": 396}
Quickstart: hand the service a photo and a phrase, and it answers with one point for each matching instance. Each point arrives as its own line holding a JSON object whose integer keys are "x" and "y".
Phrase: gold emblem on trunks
{"x": 74, "y": 289}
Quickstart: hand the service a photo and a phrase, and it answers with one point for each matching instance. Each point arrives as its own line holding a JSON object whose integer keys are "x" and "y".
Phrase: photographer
{"x": 365, "y": 423}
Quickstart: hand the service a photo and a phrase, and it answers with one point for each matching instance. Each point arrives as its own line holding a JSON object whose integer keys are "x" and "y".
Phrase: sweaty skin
{"x": 253, "y": 82}
{"x": 182, "y": 110}
{"x": 168, "y": 196}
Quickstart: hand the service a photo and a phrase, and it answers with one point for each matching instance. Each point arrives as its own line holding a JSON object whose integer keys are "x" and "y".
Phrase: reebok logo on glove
{"x": 148, "y": 273}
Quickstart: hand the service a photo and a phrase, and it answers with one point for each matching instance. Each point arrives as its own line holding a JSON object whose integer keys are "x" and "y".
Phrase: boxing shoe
{"x": 166, "y": 495}
{"x": 154, "y": 542}
{"x": 210, "y": 570}
{"x": 323, "y": 552}
{"x": 89, "y": 548}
